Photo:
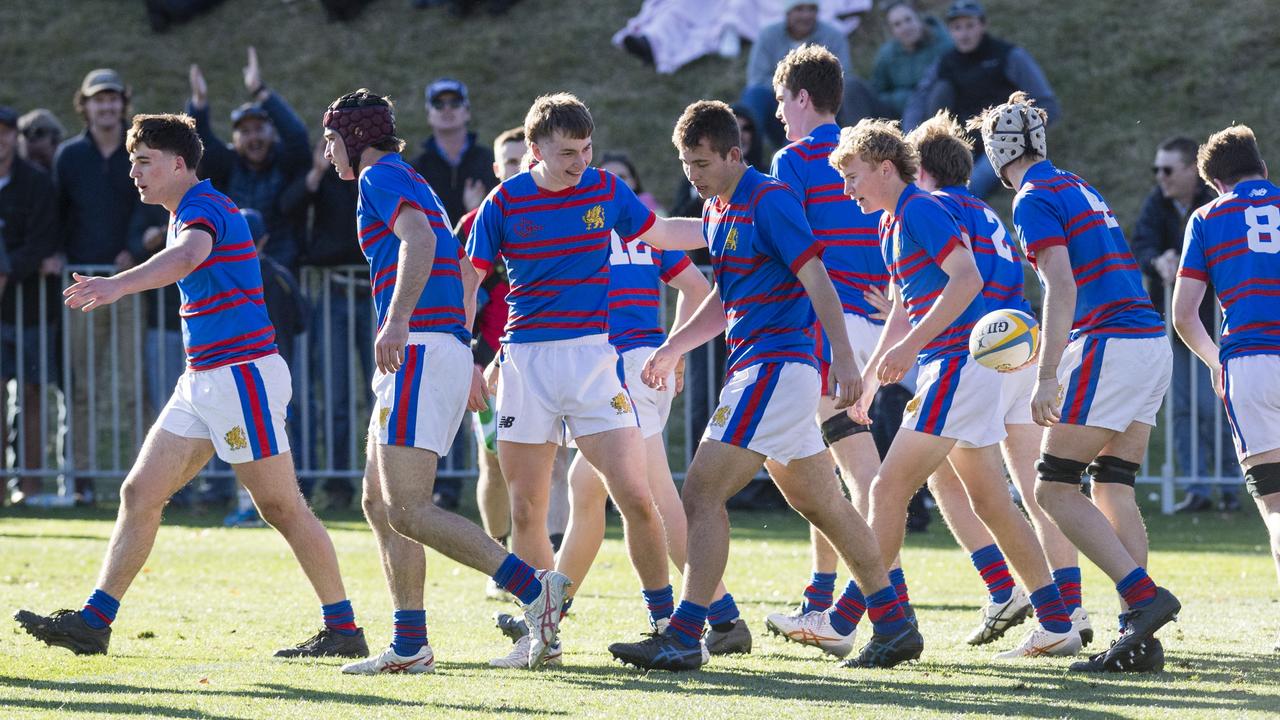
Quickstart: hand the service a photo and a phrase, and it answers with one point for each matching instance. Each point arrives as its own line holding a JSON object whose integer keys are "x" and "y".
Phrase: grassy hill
{"x": 1128, "y": 74}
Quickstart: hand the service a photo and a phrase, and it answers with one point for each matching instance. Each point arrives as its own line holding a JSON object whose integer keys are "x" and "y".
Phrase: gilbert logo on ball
{"x": 1004, "y": 340}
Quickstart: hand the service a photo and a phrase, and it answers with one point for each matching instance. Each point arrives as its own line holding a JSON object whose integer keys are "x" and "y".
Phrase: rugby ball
{"x": 1004, "y": 340}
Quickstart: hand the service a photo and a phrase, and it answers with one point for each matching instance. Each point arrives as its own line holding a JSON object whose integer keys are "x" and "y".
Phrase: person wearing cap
{"x": 39, "y": 136}
{"x": 95, "y": 201}
{"x": 28, "y": 234}
{"x": 978, "y": 73}
{"x": 459, "y": 169}
{"x": 268, "y": 148}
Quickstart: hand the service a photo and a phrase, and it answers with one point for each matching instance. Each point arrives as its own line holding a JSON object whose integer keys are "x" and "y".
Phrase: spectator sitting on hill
{"x": 268, "y": 148}
{"x": 619, "y": 163}
{"x": 902, "y": 60}
{"x": 39, "y": 134}
{"x": 459, "y": 169}
{"x": 981, "y": 71}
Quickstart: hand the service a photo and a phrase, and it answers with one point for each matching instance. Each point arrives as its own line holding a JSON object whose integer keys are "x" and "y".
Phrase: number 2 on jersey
{"x": 999, "y": 237}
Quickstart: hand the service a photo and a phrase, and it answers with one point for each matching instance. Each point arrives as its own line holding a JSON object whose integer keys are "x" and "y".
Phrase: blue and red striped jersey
{"x": 851, "y": 247}
{"x": 635, "y": 317}
{"x": 758, "y": 241}
{"x": 1055, "y": 207}
{"x": 915, "y": 240}
{"x": 998, "y": 263}
{"x": 224, "y": 318}
{"x": 387, "y": 187}
{"x": 1233, "y": 243}
{"x": 556, "y": 246}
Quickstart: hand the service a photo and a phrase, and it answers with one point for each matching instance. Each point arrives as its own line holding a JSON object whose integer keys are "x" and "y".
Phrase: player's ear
{"x": 735, "y": 154}
{"x": 535, "y": 151}
{"x": 1264, "y": 170}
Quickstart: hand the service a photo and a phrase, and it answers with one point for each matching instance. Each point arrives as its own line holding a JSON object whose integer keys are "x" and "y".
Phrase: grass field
{"x": 195, "y": 635}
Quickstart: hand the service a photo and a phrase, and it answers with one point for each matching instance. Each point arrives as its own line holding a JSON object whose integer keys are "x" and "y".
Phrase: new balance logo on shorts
{"x": 506, "y": 421}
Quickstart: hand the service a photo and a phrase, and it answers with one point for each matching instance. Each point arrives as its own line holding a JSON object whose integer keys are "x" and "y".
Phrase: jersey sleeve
{"x": 201, "y": 217}
{"x": 1037, "y": 224}
{"x": 671, "y": 264}
{"x": 1193, "y": 263}
{"x": 787, "y": 167}
{"x": 485, "y": 241}
{"x": 634, "y": 219}
{"x": 782, "y": 231}
{"x": 931, "y": 227}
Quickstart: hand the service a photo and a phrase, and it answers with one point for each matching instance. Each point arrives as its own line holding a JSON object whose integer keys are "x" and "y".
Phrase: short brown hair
{"x": 1183, "y": 145}
{"x": 1229, "y": 155}
{"x": 167, "y": 133}
{"x": 873, "y": 142}
{"x": 561, "y": 112}
{"x": 515, "y": 134}
{"x": 813, "y": 68}
{"x": 945, "y": 150}
{"x": 709, "y": 120}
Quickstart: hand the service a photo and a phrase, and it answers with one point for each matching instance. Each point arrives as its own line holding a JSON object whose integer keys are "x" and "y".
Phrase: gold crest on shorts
{"x": 914, "y": 404}
{"x": 621, "y": 403}
{"x": 721, "y": 416}
{"x": 594, "y": 218}
{"x": 383, "y": 414}
{"x": 731, "y": 240}
{"x": 236, "y": 439}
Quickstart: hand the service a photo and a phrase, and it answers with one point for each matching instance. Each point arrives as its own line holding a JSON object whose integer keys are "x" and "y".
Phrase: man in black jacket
{"x": 458, "y": 168}
{"x": 1156, "y": 242}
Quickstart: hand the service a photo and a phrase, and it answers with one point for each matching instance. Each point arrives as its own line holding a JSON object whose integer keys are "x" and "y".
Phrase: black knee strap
{"x": 1111, "y": 469}
{"x": 1052, "y": 468}
{"x": 840, "y": 426}
{"x": 1263, "y": 479}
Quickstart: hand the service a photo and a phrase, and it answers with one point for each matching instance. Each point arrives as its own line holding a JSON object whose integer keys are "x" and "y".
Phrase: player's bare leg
{"x": 911, "y": 459}
{"x": 1021, "y": 449}
{"x": 527, "y": 468}
{"x": 1119, "y": 502}
{"x": 491, "y": 496}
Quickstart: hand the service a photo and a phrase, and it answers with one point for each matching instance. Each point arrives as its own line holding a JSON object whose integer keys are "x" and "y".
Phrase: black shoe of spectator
{"x": 1230, "y": 503}
{"x": 1193, "y": 502}
{"x": 639, "y": 46}
{"x": 85, "y": 494}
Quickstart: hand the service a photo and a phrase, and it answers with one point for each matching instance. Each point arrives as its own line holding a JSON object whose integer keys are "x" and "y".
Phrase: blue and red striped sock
{"x": 1068, "y": 582}
{"x": 1136, "y": 588}
{"x": 820, "y": 593}
{"x": 564, "y": 607}
{"x": 994, "y": 571}
{"x": 898, "y": 579}
{"x": 687, "y": 622}
{"x": 848, "y": 610}
{"x": 408, "y": 632}
{"x": 100, "y": 610}
{"x": 722, "y": 613}
{"x": 661, "y": 603}
{"x": 339, "y": 617}
{"x": 885, "y": 611}
{"x": 1049, "y": 609}
{"x": 518, "y": 578}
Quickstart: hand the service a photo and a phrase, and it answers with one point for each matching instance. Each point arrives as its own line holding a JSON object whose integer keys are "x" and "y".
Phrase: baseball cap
{"x": 257, "y": 228}
{"x": 8, "y": 116}
{"x": 101, "y": 80}
{"x": 443, "y": 85}
{"x": 790, "y": 5}
{"x": 249, "y": 110}
{"x": 965, "y": 8}
{"x": 39, "y": 120}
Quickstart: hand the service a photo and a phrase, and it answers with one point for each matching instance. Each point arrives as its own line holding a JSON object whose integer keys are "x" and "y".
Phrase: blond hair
{"x": 873, "y": 142}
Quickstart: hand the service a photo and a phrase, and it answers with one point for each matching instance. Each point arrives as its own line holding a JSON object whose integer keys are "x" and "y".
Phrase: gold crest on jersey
{"x": 594, "y": 218}
{"x": 383, "y": 414}
{"x": 236, "y": 439}
{"x": 913, "y": 405}
{"x": 721, "y": 416}
{"x": 731, "y": 240}
{"x": 621, "y": 403}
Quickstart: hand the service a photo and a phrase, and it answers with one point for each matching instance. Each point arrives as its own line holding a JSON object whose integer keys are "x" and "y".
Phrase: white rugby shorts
{"x": 959, "y": 399}
{"x": 240, "y": 408}
{"x": 769, "y": 408}
{"x": 422, "y": 404}
{"x": 1111, "y": 382}
{"x": 1252, "y": 385}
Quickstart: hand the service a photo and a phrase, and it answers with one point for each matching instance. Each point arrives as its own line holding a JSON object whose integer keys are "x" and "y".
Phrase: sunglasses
{"x": 1162, "y": 170}
{"x": 443, "y": 104}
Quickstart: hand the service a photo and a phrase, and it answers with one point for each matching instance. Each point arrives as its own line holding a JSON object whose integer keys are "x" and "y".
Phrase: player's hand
{"x": 1046, "y": 407}
{"x": 153, "y": 238}
{"x": 877, "y": 299}
{"x": 124, "y": 261}
{"x": 89, "y": 293}
{"x": 660, "y": 365}
{"x": 1166, "y": 265}
{"x": 53, "y": 264}
{"x": 896, "y": 363}
{"x": 861, "y": 410}
{"x": 1215, "y": 373}
{"x": 491, "y": 377}
{"x": 388, "y": 348}
{"x": 473, "y": 193}
{"x": 845, "y": 383}
{"x": 199, "y": 88}
{"x": 479, "y": 398}
{"x": 680, "y": 374}
{"x": 252, "y": 72}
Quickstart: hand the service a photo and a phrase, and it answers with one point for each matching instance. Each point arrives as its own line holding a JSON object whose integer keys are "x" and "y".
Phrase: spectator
{"x": 41, "y": 133}
{"x": 95, "y": 202}
{"x": 456, "y": 167}
{"x": 619, "y": 163}
{"x": 902, "y": 61}
{"x": 1157, "y": 246}
{"x": 981, "y": 71}
{"x": 330, "y": 244}
{"x": 774, "y": 42}
{"x": 268, "y": 148}
{"x": 27, "y": 236}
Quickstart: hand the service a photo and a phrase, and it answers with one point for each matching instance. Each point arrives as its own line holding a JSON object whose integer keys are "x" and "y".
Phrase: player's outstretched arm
{"x": 706, "y": 323}
{"x": 1187, "y": 294}
{"x": 826, "y": 303}
{"x": 675, "y": 234}
{"x": 190, "y": 248}
{"x": 413, "y": 269}
{"x": 1054, "y": 266}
